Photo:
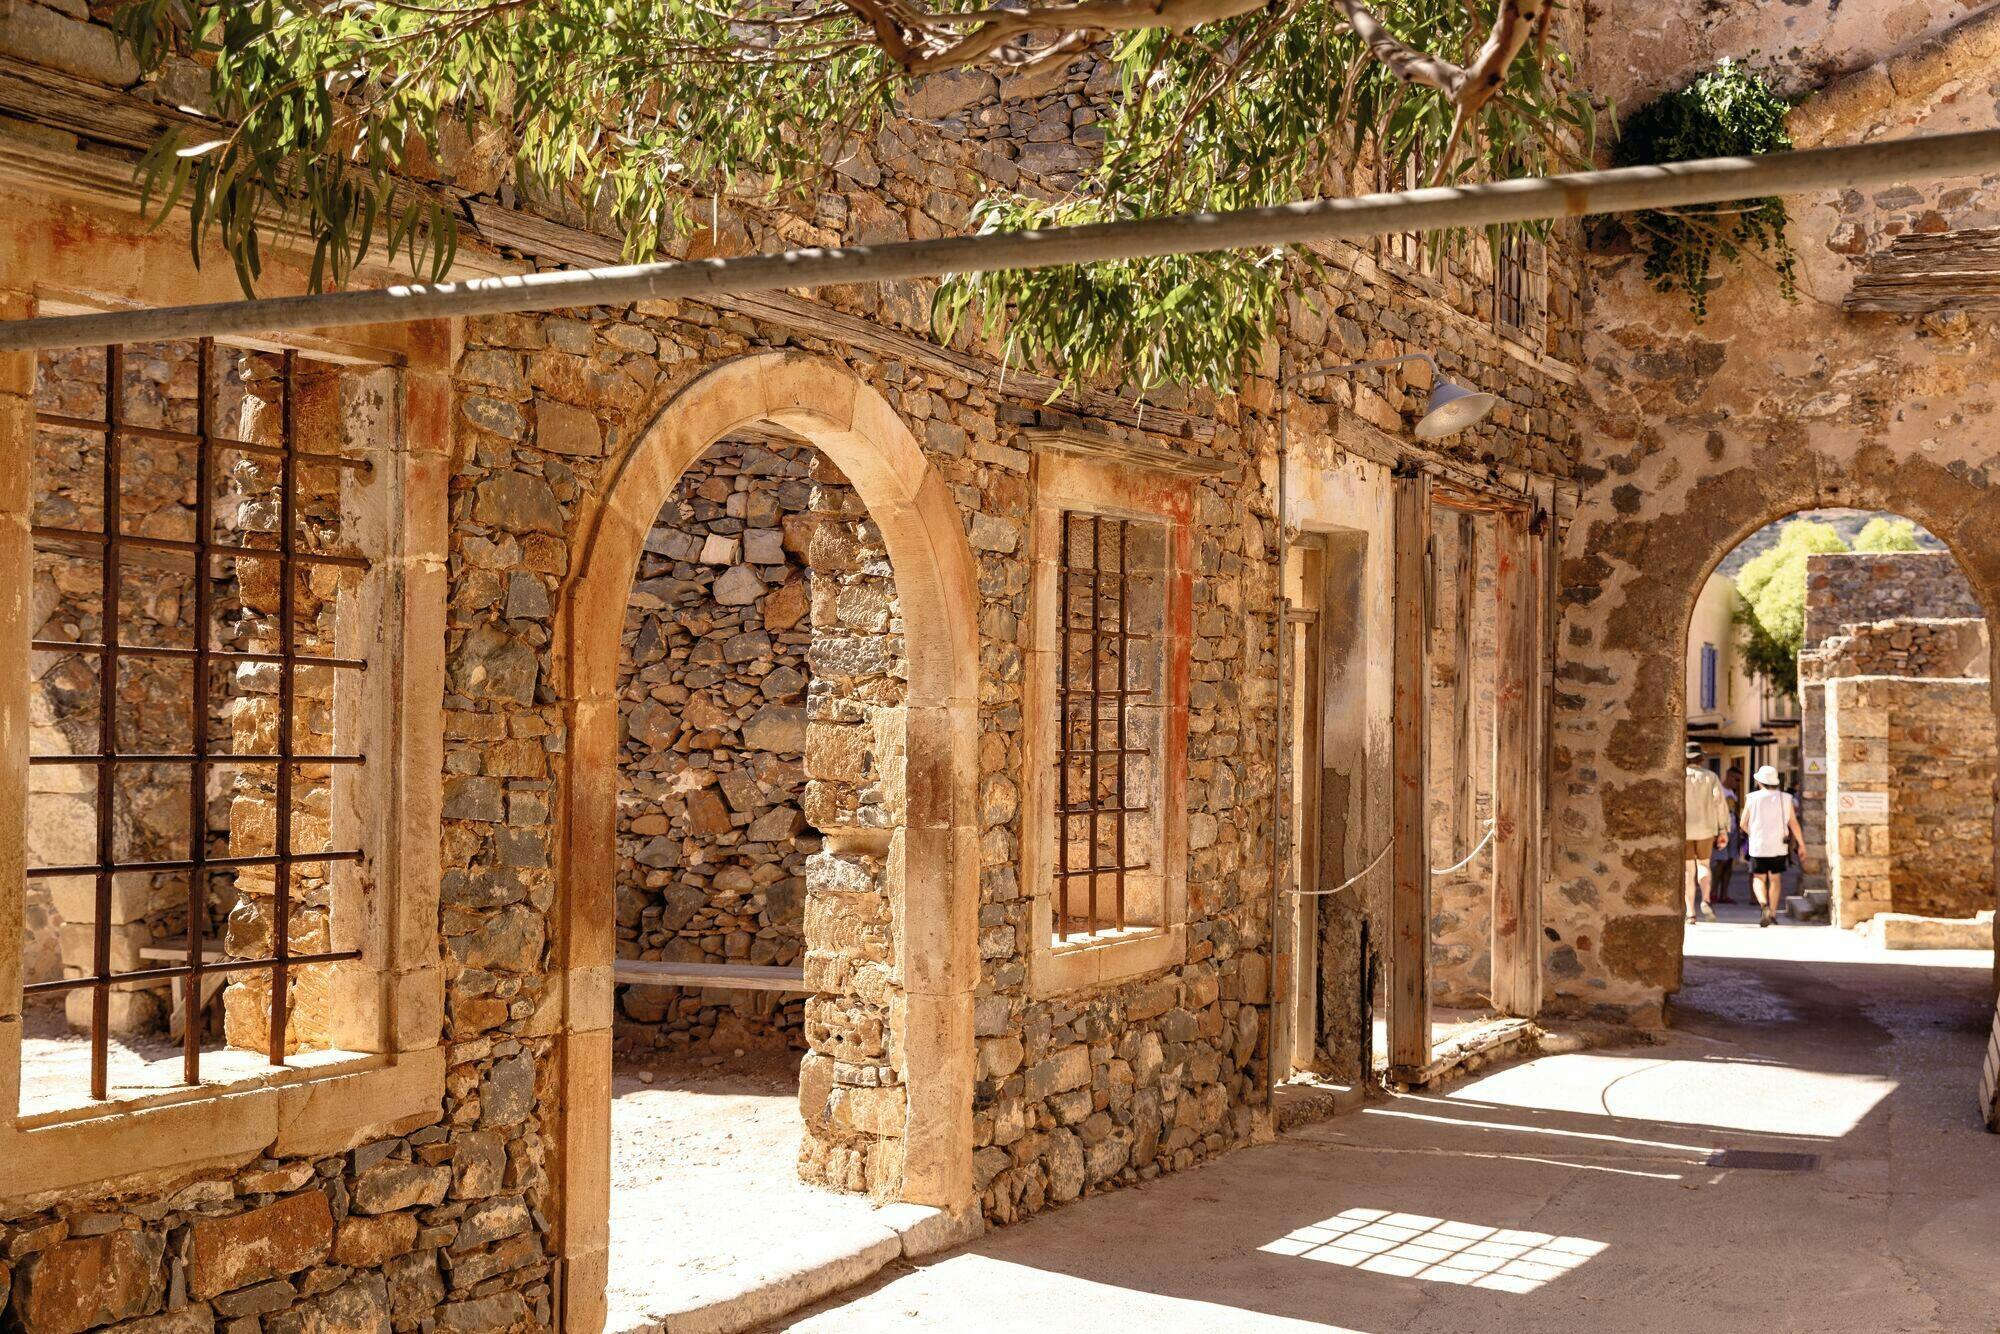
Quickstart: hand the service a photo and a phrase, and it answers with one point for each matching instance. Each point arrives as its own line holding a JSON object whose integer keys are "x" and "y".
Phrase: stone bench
{"x": 724, "y": 976}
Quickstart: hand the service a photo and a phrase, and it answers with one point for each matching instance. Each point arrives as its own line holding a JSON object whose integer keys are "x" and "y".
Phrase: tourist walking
{"x": 1722, "y": 861}
{"x": 1771, "y": 825}
{"x": 1707, "y": 828}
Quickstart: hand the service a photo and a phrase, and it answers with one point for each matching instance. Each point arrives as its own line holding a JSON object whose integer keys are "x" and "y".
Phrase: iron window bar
{"x": 112, "y": 543}
{"x": 213, "y": 655}
{"x": 205, "y": 757}
{"x": 84, "y": 537}
{"x": 1089, "y": 708}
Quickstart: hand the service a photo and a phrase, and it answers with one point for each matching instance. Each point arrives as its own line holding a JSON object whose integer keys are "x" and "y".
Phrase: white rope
{"x": 1358, "y": 877}
{"x": 1353, "y": 879}
{"x": 1477, "y": 849}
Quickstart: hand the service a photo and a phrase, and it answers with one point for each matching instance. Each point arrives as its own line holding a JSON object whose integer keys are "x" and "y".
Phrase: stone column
{"x": 851, "y": 1081}
{"x": 1857, "y": 799}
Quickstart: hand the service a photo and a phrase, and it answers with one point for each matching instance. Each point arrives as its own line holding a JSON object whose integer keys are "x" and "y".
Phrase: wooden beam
{"x": 1927, "y": 271}
{"x": 1518, "y": 775}
{"x": 726, "y": 976}
{"x": 1464, "y": 796}
{"x": 1409, "y": 795}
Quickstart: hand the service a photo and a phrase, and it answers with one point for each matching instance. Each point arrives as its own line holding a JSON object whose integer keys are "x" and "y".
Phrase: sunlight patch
{"x": 1437, "y": 1250}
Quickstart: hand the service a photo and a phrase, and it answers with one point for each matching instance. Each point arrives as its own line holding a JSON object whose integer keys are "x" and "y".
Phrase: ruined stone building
{"x": 1898, "y": 730}
{"x": 402, "y": 721}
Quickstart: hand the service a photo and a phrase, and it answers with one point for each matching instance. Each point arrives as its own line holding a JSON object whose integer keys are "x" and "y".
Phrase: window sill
{"x": 323, "y": 1103}
{"x": 157, "y": 1083}
{"x": 1105, "y": 958}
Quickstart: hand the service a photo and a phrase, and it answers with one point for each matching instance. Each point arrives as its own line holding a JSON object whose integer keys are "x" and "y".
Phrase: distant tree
{"x": 1771, "y": 612}
{"x": 1885, "y": 534}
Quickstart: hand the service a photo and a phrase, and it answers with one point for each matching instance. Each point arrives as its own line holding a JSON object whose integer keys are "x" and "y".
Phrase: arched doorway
{"x": 929, "y": 856}
{"x": 1631, "y": 576}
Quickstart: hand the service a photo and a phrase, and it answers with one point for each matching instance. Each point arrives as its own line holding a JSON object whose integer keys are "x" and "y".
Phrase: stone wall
{"x": 712, "y": 841}
{"x": 1860, "y": 587}
{"x": 1069, "y": 1093}
{"x": 1919, "y": 649}
{"x": 1699, "y": 433}
{"x": 1910, "y": 766}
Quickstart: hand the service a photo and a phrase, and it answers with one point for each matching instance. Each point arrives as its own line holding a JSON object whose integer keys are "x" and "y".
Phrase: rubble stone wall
{"x": 1698, "y": 434}
{"x": 1069, "y": 1093}
{"x": 1862, "y": 587}
{"x": 712, "y": 841}
{"x": 1909, "y": 797}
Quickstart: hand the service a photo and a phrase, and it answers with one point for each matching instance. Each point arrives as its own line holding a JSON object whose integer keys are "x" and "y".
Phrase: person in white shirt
{"x": 1771, "y": 827}
{"x": 1707, "y": 828}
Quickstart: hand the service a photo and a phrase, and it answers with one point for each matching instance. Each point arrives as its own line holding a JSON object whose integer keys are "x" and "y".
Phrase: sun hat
{"x": 1694, "y": 750}
{"x": 1767, "y": 776}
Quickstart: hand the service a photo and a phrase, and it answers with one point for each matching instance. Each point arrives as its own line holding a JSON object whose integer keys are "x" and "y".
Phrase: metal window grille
{"x": 1097, "y": 793}
{"x": 111, "y": 541}
{"x": 1406, "y": 248}
{"x": 1517, "y": 294}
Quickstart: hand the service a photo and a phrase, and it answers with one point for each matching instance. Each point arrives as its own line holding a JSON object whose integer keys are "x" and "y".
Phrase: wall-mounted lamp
{"x": 1452, "y": 407}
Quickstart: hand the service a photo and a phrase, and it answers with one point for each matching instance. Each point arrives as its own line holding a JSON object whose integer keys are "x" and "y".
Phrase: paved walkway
{"x": 1571, "y": 1192}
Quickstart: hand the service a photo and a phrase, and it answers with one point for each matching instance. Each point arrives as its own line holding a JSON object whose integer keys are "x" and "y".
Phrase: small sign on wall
{"x": 1863, "y": 803}
{"x": 1816, "y": 764}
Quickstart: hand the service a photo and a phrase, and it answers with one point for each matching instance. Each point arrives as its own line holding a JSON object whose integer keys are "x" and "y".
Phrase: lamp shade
{"x": 1452, "y": 408}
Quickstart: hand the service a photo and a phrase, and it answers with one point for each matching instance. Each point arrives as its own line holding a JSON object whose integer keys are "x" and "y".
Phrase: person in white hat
{"x": 1771, "y": 824}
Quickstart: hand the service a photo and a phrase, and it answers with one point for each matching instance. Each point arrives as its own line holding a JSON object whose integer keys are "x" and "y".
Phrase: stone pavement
{"x": 1570, "y": 1192}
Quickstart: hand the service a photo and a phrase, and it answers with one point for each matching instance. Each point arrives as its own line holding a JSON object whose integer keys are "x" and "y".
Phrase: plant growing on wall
{"x": 1771, "y": 611}
{"x": 1727, "y": 112}
{"x": 638, "y": 115}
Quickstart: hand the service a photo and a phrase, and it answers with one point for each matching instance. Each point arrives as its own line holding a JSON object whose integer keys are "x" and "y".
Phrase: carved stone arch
{"x": 932, "y": 860}
{"x": 1667, "y": 558}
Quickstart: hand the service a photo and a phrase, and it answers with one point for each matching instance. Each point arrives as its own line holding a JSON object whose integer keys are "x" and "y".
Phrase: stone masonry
{"x": 713, "y": 845}
{"x": 1887, "y": 614}
{"x": 1909, "y": 797}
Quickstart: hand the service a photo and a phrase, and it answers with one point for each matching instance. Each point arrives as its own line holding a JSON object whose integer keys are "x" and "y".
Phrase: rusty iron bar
{"x": 215, "y": 655}
{"x": 210, "y": 757}
{"x": 85, "y": 537}
{"x": 1121, "y": 809}
{"x": 178, "y": 864}
{"x": 1096, "y": 683}
{"x": 112, "y": 544}
{"x": 1444, "y": 208}
{"x": 208, "y": 441}
{"x": 1062, "y": 740}
{"x": 167, "y": 972}
{"x": 112, "y": 515}
{"x": 281, "y": 917}
{"x": 197, "y": 900}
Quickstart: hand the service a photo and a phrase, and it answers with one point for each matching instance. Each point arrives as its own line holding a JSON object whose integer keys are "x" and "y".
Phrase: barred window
{"x": 1109, "y": 689}
{"x": 1520, "y": 285}
{"x": 195, "y": 646}
{"x": 1406, "y": 248}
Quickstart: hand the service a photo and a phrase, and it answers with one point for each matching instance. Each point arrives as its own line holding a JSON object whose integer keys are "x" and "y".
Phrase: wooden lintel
{"x": 1136, "y": 452}
{"x": 724, "y": 976}
{"x": 1409, "y": 788}
{"x": 1931, "y": 271}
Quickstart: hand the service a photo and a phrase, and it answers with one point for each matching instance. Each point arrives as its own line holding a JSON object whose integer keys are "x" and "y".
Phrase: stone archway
{"x": 1631, "y": 578}
{"x": 932, "y": 858}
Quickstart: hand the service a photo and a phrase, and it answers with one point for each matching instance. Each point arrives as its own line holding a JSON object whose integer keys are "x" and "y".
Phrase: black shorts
{"x": 1770, "y": 865}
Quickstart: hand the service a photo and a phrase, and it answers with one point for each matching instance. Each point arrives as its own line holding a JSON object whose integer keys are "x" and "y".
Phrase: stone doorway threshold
{"x": 711, "y": 1229}
{"x": 1462, "y": 1041}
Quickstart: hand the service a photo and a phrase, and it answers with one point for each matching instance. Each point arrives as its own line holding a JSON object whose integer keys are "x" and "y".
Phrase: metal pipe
{"x": 1620, "y": 190}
